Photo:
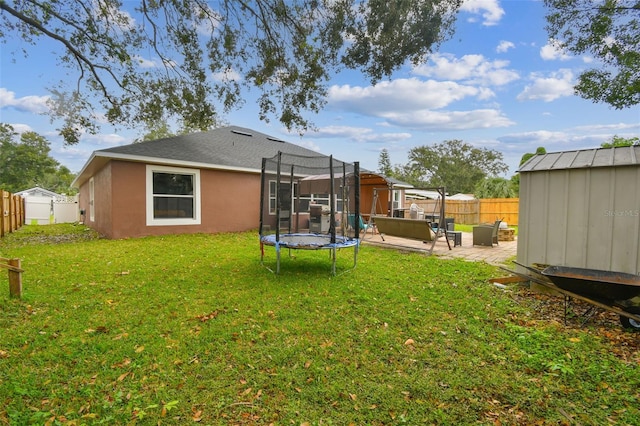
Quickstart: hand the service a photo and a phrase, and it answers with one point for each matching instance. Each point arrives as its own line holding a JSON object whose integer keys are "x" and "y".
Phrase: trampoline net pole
{"x": 332, "y": 202}
{"x": 262, "y": 190}
{"x": 278, "y": 196}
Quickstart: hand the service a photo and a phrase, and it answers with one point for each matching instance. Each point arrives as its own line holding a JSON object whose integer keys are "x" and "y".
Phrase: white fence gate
{"x": 47, "y": 210}
{"x": 65, "y": 209}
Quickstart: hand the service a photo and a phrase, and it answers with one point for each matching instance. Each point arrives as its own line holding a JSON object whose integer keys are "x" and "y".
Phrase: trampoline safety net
{"x": 309, "y": 203}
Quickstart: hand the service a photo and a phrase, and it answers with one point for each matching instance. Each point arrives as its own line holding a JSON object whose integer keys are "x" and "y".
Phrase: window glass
{"x": 172, "y": 184}
{"x": 172, "y": 195}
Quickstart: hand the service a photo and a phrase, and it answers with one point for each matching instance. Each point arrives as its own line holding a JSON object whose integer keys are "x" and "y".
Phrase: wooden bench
{"x": 415, "y": 229}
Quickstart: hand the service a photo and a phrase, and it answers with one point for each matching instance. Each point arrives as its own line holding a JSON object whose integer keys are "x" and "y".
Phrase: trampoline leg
{"x": 333, "y": 267}
{"x": 277, "y": 259}
{"x": 355, "y": 254}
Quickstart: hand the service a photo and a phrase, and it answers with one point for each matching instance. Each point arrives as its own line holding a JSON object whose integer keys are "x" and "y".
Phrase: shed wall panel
{"x": 599, "y": 230}
{"x": 555, "y": 216}
{"x": 577, "y": 220}
{"x": 588, "y": 217}
{"x": 624, "y": 217}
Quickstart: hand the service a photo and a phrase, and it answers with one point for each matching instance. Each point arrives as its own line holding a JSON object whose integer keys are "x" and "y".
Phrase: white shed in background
{"x": 581, "y": 209}
{"x": 43, "y": 207}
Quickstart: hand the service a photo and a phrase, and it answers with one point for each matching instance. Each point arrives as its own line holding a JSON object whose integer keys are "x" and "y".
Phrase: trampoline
{"x": 307, "y": 242}
{"x": 305, "y": 204}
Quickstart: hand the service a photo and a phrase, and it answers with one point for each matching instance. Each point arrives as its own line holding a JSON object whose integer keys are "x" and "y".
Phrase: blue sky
{"x": 499, "y": 83}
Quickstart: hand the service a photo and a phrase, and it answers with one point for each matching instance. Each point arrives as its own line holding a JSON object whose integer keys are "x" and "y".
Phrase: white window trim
{"x": 151, "y": 221}
{"x": 397, "y": 199}
{"x": 92, "y": 198}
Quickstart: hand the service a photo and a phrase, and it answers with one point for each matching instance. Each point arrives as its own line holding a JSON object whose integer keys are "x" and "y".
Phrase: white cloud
{"x": 450, "y": 120}
{"x": 609, "y": 127}
{"x": 504, "y": 46}
{"x": 34, "y": 104}
{"x": 537, "y": 138}
{"x": 399, "y": 95}
{"x": 553, "y": 51}
{"x": 110, "y": 139}
{"x": 583, "y": 137}
{"x": 110, "y": 16}
{"x": 473, "y": 69}
{"x": 146, "y": 63}
{"x": 228, "y": 75}
{"x": 559, "y": 84}
{"x": 412, "y": 103}
{"x": 359, "y": 134}
{"x": 490, "y": 10}
{"x": 21, "y": 128}
{"x": 309, "y": 145}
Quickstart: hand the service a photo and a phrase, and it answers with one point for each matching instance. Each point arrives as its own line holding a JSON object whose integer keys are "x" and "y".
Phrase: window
{"x": 92, "y": 212}
{"x": 173, "y": 196}
{"x": 397, "y": 199}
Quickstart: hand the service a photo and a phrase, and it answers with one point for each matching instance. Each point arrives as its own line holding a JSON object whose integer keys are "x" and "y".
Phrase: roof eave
{"x": 99, "y": 158}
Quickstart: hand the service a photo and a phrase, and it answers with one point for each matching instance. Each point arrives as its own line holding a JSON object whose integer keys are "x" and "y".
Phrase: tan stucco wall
{"x": 230, "y": 202}
{"x": 102, "y": 201}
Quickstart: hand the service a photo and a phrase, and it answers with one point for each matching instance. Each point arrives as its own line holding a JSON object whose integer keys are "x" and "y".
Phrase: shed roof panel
{"x": 586, "y": 158}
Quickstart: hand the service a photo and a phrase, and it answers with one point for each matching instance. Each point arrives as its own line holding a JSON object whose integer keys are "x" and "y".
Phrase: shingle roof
{"x": 586, "y": 158}
{"x": 227, "y": 147}
{"x": 234, "y": 148}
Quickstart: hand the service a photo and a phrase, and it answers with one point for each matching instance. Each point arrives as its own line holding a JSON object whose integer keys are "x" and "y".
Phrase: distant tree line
{"x": 463, "y": 168}
{"x": 25, "y": 163}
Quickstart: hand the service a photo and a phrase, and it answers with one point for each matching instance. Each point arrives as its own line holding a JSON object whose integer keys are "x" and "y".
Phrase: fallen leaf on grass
{"x": 4, "y": 354}
{"x": 121, "y": 364}
{"x": 120, "y": 336}
{"x": 139, "y": 349}
{"x": 196, "y": 415}
{"x": 207, "y": 317}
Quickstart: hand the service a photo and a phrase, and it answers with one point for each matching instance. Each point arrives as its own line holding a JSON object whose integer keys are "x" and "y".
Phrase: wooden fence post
{"x": 15, "y": 276}
{"x": 2, "y": 210}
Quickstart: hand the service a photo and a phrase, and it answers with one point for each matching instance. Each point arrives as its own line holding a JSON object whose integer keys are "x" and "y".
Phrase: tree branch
{"x": 80, "y": 57}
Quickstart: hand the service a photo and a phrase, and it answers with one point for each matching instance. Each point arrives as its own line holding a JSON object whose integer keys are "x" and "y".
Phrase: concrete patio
{"x": 496, "y": 255}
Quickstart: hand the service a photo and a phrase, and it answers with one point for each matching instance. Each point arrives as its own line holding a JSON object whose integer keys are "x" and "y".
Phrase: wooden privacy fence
{"x": 12, "y": 212}
{"x": 506, "y": 209}
{"x": 473, "y": 212}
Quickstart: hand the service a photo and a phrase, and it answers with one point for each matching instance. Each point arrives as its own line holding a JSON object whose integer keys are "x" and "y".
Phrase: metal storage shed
{"x": 581, "y": 209}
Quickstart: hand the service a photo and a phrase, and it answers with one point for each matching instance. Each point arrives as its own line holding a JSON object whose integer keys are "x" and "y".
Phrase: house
{"x": 205, "y": 182}
{"x": 581, "y": 209}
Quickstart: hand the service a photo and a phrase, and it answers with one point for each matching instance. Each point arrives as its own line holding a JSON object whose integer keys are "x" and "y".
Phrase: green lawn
{"x": 185, "y": 329}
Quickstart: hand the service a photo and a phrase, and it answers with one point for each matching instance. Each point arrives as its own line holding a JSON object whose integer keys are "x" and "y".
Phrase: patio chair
{"x": 486, "y": 235}
{"x": 363, "y": 226}
{"x": 416, "y": 212}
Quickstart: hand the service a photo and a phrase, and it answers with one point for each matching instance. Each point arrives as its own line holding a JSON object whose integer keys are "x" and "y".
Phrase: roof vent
{"x": 274, "y": 139}
{"x": 240, "y": 132}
